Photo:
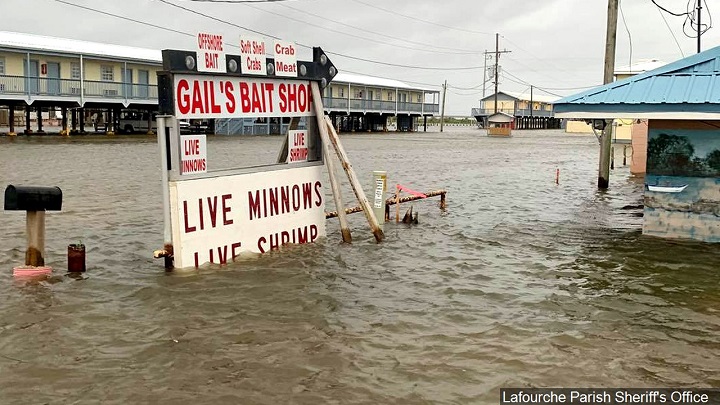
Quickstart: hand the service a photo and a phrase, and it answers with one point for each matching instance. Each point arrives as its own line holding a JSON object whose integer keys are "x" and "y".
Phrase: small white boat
{"x": 667, "y": 189}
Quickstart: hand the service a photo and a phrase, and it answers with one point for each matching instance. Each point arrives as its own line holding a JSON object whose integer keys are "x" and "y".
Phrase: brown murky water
{"x": 520, "y": 283}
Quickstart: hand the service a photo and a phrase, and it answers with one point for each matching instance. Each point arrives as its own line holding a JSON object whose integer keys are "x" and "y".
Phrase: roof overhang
{"x": 684, "y": 111}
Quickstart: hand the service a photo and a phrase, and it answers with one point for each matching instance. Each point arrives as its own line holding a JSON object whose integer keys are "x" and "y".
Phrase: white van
{"x": 136, "y": 121}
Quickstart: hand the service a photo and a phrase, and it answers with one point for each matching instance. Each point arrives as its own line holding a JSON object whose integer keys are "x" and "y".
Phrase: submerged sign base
{"x": 216, "y": 219}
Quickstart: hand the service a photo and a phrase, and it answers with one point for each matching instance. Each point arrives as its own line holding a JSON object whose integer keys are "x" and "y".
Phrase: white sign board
{"x": 285, "y": 59}
{"x": 254, "y": 58}
{"x": 204, "y": 97}
{"x": 297, "y": 146}
{"x": 210, "y": 53}
{"x": 216, "y": 219}
{"x": 193, "y": 154}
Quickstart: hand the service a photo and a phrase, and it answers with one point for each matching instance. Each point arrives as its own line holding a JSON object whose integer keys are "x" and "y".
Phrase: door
{"x": 370, "y": 104}
{"x": 53, "y": 75}
{"x": 143, "y": 83}
{"x": 31, "y": 76}
{"x": 128, "y": 82}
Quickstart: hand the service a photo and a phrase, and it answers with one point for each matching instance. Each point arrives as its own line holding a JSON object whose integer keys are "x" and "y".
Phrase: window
{"x": 2, "y": 65}
{"x": 75, "y": 70}
{"x": 358, "y": 93}
{"x": 419, "y": 98}
{"x": 390, "y": 95}
{"x": 107, "y": 73}
{"x": 341, "y": 92}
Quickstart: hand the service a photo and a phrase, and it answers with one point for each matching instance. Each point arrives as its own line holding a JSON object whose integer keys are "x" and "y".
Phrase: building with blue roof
{"x": 681, "y": 102}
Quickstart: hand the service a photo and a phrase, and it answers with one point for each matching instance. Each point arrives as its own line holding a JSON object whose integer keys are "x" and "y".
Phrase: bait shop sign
{"x": 216, "y": 219}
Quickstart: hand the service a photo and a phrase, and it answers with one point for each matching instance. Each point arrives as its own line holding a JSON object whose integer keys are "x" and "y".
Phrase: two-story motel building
{"x": 81, "y": 78}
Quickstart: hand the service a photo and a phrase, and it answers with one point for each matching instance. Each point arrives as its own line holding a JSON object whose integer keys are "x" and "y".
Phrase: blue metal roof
{"x": 688, "y": 86}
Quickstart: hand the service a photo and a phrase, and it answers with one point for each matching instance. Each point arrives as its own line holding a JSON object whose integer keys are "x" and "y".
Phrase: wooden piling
{"x": 329, "y": 163}
{"x": 282, "y": 156}
{"x": 397, "y": 202}
{"x": 352, "y": 177}
{"x": 35, "y": 254}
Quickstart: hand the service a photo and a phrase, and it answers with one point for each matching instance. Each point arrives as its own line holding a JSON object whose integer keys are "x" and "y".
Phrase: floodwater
{"x": 520, "y": 282}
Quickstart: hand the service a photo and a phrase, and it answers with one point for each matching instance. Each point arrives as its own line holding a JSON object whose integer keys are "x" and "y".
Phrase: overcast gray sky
{"x": 556, "y": 45}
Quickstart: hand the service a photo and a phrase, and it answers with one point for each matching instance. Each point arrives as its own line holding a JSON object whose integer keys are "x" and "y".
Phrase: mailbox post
{"x": 35, "y": 201}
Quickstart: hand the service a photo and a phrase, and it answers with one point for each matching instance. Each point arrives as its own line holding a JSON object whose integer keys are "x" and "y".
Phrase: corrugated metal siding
{"x": 693, "y": 80}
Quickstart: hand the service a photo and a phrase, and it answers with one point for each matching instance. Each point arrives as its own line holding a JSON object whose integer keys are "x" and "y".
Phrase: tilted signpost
{"x": 215, "y": 216}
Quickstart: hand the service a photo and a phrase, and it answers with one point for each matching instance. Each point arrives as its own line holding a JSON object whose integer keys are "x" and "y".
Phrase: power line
{"x": 556, "y": 67}
{"x": 364, "y": 38}
{"x": 395, "y": 13}
{"x": 258, "y": 32}
{"x": 310, "y": 47}
{"x": 219, "y": 20}
{"x": 365, "y": 30}
{"x": 668, "y": 11}
{"x": 238, "y": 1}
{"x": 622, "y": 14}
{"x": 124, "y": 18}
{"x": 671, "y": 32}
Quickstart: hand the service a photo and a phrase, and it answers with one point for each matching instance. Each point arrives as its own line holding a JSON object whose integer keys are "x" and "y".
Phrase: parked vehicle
{"x": 136, "y": 121}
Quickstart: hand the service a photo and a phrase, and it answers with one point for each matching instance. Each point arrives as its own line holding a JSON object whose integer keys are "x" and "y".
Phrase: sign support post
{"x": 167, "y": 251}
{"x": 337, "y": 195}
{"x": 214, "y": 216}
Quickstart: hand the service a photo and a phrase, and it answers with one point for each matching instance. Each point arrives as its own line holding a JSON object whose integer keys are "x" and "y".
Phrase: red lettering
{"x": 269, "y": 87}
{"x": 283, "y": 97}
{"x": 188, "y": 229}
{"x": 200, "y": 211}
{"x": 212, "y": 208}
{"x": 197, "y": 102}
{"x": 214, "y": 107}
{"x": 183, "y": 98}
{"x": 296, "y": 197}
{"x": 226, "y": 209}
{"x": 318, "y": 186}
{"x": 256, "y": 105}
{"x": 233, "y": 247}
{"x": 222, "y": 254}
{"x": 307, "y": 195}
{"x": 245, "y": 97}
{"x": 206, "y": 99}
{"x": 230, "y": 103}
{"x": 254, "y": 203}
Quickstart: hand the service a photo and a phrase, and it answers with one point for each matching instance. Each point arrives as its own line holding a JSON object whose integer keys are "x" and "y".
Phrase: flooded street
{"x": 520, "y": 283}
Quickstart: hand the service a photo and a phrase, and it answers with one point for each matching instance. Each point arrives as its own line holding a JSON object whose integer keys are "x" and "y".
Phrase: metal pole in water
{"x": 165, "y": 167}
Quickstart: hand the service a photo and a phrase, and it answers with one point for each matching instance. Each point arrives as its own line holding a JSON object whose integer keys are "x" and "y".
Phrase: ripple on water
{"x": 520, "y": 282}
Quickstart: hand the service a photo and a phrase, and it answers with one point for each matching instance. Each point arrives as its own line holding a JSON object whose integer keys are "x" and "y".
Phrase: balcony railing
{"x": 520, "y": 112}
{"x": 356, "y": 104}
{"x": 44, "y": 86}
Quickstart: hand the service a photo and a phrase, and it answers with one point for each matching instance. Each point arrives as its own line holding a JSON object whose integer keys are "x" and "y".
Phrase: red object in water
{"x": 31, "y": 271}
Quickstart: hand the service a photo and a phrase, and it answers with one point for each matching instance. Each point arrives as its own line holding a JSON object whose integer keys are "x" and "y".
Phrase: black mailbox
{"x": 31, "y": 198}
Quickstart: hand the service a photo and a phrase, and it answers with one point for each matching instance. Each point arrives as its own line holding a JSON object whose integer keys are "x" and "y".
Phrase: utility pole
{"x": 606, "y": 140}
{"x": 497, "y": 56}
{"x": 442, "y": 112}
{"x": 495, "y": 72}
{"x": 699, "y": 8}
{"x": 531, "y": 101}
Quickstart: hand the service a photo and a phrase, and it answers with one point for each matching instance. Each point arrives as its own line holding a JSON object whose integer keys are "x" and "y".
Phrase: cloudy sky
{"x": 556, "y": 45}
